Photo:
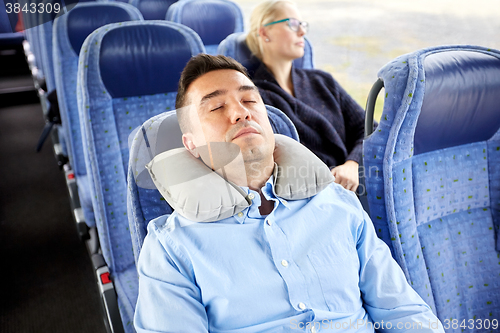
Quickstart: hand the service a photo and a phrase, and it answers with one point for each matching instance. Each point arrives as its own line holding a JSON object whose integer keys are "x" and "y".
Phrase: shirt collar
{"x": 268, "y": 192}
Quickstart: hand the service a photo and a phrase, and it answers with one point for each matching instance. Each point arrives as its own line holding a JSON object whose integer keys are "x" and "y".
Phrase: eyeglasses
{"x": 293, "y": 24}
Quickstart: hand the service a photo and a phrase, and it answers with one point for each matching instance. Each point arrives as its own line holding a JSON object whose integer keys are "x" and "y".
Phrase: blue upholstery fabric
{"x": 107, "y": 122}
{"x": 145, "y": 73}
{"x": 212, "y": 20}
{"x": 127, "y": 290}
{"x": 464, "y": 97}
{"x": 432, "y": 177}
{"x": 31, "y": 25}
{"x": 69, "y": 32}
{"x": 147, "y": 204}
{"x": 153, "y": 9}
{"x": 8, "y": 22}
{"x": 83, "y": 183}
{"x": 235, "y": 46}
{"x": 45, "y": 35}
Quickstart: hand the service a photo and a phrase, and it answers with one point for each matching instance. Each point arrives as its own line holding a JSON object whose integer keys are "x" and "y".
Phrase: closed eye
{"x": 249, "y": 101}
{"x": 217, "y": 108}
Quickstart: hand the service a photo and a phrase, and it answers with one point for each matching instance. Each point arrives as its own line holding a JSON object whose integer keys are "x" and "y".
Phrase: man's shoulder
{"x": 336, "y": 194}
{"x": 168, "y": 225}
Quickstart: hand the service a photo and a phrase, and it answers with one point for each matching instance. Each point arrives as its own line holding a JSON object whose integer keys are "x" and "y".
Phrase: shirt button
{"x": 269, "y": 222}
{"x": 302, "y": 306}
{"x": 240, "y": 214}
{"x": 251, "y": 196}
{"x": 285, "y": 264}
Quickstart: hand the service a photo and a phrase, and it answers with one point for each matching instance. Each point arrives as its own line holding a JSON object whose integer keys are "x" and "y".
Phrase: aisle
{"x": 46, "y": 280}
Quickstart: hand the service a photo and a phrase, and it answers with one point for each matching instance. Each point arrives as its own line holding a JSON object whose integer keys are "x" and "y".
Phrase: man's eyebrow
{"x": 212, "y": 95}
{"x": 219, "y": 92}
{"x": 247, "y": 88}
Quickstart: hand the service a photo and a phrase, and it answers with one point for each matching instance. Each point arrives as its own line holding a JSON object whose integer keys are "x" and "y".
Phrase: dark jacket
{"x": 329, "y": 122}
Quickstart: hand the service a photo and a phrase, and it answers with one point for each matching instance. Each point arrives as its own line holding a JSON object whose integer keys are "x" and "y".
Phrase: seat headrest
{"x": 145, "y": 59}
{"x": 460, "y": 103}
{"x": 213, "y": 20}
{"x": 84, "y": 19}
{"x": 241, "y": 51}
{"x": 235, "y": 46}
{"x": 154, "y": 9}
{"x": 202, "y": 195}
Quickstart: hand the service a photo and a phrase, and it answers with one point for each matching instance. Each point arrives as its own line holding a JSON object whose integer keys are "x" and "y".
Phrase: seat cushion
{"x": 85, "y": 199}
{"x": 127, "y": 289}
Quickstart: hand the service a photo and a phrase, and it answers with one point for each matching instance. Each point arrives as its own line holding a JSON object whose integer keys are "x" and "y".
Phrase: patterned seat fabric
{"x": 433, "y": 177}
{"x": 235, "y": 46}
{"x": 70, "y": 30}
{"x": 213, "y": 20}
{"x": 127, "y": 73}
{"x": 144, "y": 201}
{"x": 45, "y": 35}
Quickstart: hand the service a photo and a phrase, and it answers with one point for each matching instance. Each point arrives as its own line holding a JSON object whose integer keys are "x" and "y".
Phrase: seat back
{"x": 128, "y": 72}
{"x": 213, "y": 20}
{"x": 235, "y": 46}
{"x": 436, "y": 196}
{"x": 8, "y": 21}
{"x": 31, "y": 26}
{"x": 70, "y": 31}
{"x": 153, "y": 9}
{"x": 45, "y": 33}
{"x": 144, "y": 201}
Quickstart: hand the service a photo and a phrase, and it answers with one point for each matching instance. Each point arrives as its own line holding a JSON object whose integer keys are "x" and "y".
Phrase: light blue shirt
{"x": 313, "y": 265}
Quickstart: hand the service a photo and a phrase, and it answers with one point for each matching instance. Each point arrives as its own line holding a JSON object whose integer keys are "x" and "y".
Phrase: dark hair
{"x": 200, "y": 65}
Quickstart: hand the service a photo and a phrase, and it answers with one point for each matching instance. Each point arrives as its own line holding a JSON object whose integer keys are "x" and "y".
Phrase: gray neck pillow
{"x": 202, "y": 195}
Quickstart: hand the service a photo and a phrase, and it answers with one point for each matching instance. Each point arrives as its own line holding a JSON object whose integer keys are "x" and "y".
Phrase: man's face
{"x": 226, "y": 107}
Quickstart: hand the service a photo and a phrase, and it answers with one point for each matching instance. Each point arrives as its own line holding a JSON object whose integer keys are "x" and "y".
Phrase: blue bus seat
{"x": 153, "y": 9}
{"x": 70, "y": 31}
{"x": 45, "y": 35}
{"x": 235, "y": 46}
{"x": 212, "y": 20}
{"x": 8, "y": 35}
{"x": 31, "y": 26}
{"x": 128, "y": 72}
{"x": 144, "y": 201}
{"x": 433, "y": 177}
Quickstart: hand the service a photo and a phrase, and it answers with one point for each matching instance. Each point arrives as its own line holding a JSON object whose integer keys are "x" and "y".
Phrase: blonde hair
{"x": 264, "y": 13}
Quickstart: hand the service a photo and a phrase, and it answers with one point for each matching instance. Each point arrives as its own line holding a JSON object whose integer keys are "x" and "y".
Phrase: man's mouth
{"x": 246, "y": 131}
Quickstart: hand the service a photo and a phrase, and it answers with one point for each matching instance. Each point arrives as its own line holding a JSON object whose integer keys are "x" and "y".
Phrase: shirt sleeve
{"x": 387, "y": 296}
{"x": 169, "y": 300}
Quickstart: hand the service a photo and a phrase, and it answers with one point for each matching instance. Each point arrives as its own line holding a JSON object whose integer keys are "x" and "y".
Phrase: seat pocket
{"x": 337, "y": 268}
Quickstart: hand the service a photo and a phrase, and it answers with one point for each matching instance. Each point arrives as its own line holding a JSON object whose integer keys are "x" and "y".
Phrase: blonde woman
{"x": 328, "y": 120}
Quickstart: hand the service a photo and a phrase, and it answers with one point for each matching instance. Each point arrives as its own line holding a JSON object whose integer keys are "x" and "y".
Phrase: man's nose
{"x": 238, "y": 113}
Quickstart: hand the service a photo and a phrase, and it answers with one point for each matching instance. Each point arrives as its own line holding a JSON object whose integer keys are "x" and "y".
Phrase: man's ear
{"x": 187, "y": 140}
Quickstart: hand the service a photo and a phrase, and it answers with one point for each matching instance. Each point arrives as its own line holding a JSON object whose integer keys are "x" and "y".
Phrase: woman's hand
{"x": 347, "y": 175}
